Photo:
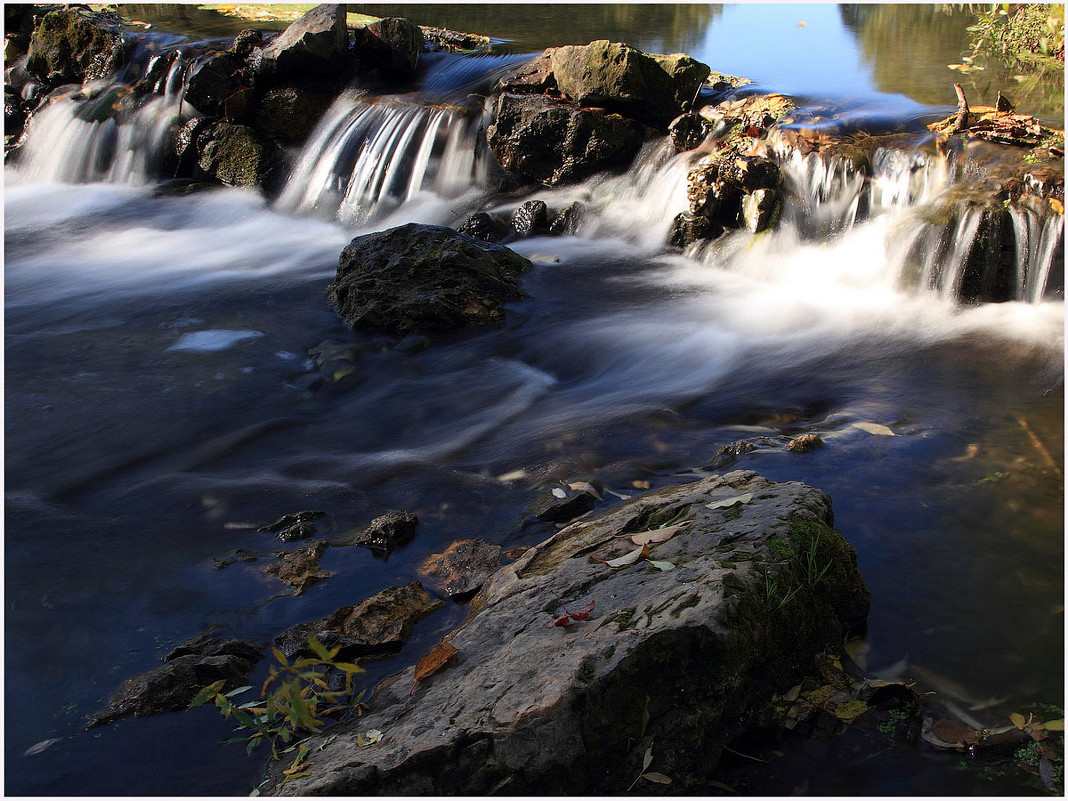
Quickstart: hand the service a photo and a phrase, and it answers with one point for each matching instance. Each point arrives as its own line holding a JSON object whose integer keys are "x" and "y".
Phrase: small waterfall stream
{"x": 176, "y": 379}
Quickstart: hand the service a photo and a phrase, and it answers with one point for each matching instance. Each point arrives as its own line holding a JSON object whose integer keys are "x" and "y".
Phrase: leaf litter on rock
{"x": 724, "y": 503}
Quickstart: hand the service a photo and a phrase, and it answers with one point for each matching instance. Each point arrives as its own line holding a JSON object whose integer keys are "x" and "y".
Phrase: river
{"x": 162, "y": 396}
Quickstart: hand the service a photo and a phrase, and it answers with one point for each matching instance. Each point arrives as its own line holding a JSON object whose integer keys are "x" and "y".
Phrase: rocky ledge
{"x": 641, "y": 640}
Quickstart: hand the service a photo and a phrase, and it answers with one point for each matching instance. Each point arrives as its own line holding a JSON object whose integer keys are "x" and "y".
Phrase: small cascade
{"x": 827, "y": 193}
{"x": 1039, "y": 242}
{"x": 641, "y": 204}
{"x": 365, "y": 159}
{"x": 99, "y": 133}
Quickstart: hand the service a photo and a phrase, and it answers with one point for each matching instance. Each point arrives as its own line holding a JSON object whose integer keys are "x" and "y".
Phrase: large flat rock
{"x": 675, "y": 659}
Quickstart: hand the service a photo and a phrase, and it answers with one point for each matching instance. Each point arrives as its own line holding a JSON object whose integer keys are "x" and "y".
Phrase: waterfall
{"x": 367, "y": 158}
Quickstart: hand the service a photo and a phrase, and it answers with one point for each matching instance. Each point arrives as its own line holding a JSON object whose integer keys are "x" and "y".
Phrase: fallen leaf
{"x": 663, "y": 566}
{"x": 640, "y": 484}
{"x": 559, "y": 493}
{"x": 434, "y": 661}
{"x": 1018, "y": 720}
{"x": 626, "y": 559}
{"x": 874, "y": 428}
{"x": 653, "y": 536}
{"x": 1056, "y": 205}
{"x": 41, "y": 746}
{"x": 1054, "y": 725}
{"x": 849, "y": 710}
{"x": 951, "y": 732}
{"x": 659, "y": 778}
{"x": 723, "y": 503}
{"x": 514, "y": 475}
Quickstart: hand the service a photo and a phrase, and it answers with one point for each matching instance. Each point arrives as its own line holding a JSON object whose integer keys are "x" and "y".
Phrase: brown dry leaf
{"x": 587, "y": 487}
{"x": 656, "y": 535}
{"x": 953, "y": 732}
{"x": 640, "y": 484}
{"x": 434, "y": 661}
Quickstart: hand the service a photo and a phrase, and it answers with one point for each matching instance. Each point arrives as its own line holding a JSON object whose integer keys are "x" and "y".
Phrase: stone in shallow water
{"x": 462, "y": 568}
{"x": 677, "y": 659}
{"x": 374, "y": 627}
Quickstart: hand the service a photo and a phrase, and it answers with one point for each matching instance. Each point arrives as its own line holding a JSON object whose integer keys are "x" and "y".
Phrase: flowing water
{"x": 163, "y": 400}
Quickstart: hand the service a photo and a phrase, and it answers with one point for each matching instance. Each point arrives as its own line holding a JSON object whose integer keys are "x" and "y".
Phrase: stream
{"x": 163, "y": 398}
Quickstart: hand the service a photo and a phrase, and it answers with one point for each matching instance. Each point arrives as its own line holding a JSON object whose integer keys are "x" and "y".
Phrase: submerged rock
{"x": 299, "y": 568}
{"x": 374, "y": 627}
{"x": 462, "y": 568}
{"x": 569, "y": 669}
{"x": 425, "y": 277}
{"x": 198, "y": 662}
{"x": 294, "y": 526}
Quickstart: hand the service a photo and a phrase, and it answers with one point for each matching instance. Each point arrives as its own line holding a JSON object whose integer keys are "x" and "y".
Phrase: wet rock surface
{"x": 425, "y": 277}
{"x": 568, "y": 669}
{"x": 375, "y": 627}
{"x": 199, "y": 661}
{"x": 462, "y": 568}
{"x": 388, "y": 532}
{"x": 299, "y": 568}
{"x": 553, "y": 143}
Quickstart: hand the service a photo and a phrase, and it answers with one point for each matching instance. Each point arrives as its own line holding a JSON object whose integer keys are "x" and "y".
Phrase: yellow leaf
{"x": 850, "y": 710}
{"x": 1018, "y": 720}
{"x": 723, "y": 503}
{"x": 1056, "y": 205}
{"x": 1054, "y": 725}
{"x": 874, "y": 428}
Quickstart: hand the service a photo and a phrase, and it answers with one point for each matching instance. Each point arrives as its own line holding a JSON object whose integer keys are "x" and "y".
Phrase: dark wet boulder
{"x": 580, "y": 656}
{"x": 235, "y": 155}
{"x": 622, "y": 78}
{"x": 531, "y": 218}
{"x": 481, "y": 225}
{"x": 567, "y": 220}
{"x": 688, "y": 130}
{"x": 376, "y": 626}
{"x": 75, "y": 45}
{"x": 213, "y": 79}
{"x": 733, "y": 189}
{"x": 198, "y": 662}
{"x": 388, "y": 532}
{"x": 391, "y": 43}
{"x": 14, "y": 115}
{"x": 556, "y": 143}
{"x": 315, "y": 44}
{"x": 292, "y": 111}
{"x": 425, "y": 277}
{"x": 688, "y": 228}
{"x": 462, "y": 568}
{"x": 295, "y": 525}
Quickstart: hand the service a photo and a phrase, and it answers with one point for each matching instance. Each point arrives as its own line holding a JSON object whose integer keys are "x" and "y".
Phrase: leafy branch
{"x": 302, "y": 697}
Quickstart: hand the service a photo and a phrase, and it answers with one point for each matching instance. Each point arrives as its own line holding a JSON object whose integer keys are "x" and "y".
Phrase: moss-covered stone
{"x": 75, "y": 45}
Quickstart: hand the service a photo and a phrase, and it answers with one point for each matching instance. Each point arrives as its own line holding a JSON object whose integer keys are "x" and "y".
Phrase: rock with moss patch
{"x": 582, "y": 654}
{"x": 75, "y": 45}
